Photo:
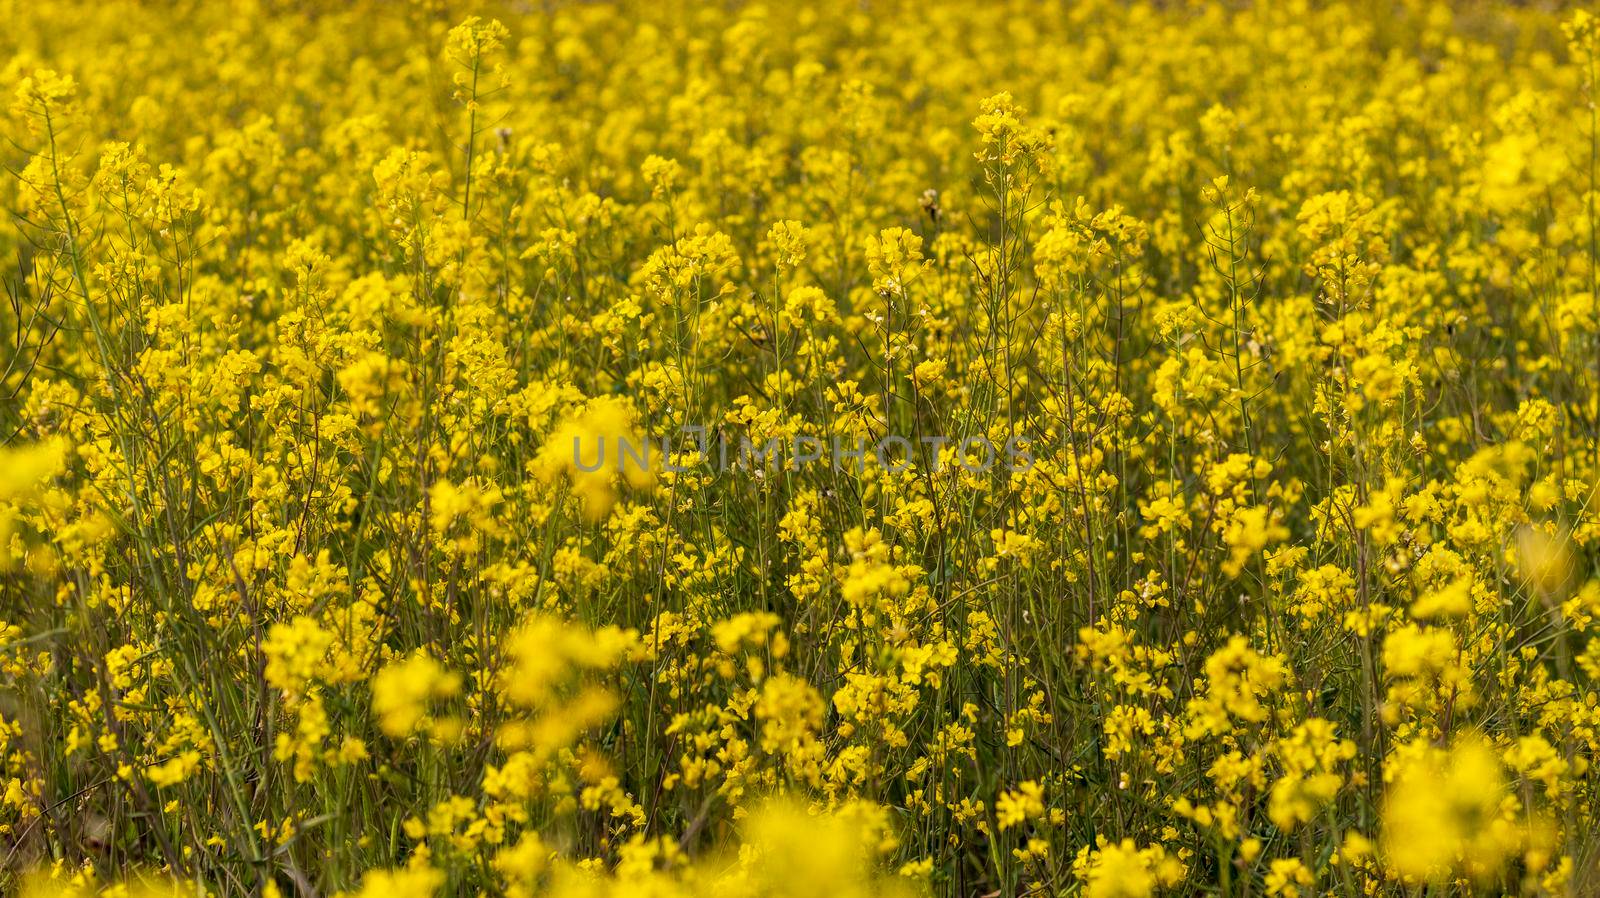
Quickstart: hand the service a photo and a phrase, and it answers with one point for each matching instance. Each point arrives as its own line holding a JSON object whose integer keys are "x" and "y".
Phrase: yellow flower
{"x": 1124, "y": 870}
{"x": 1287, "y": 877}
{"x": 295, "y": 653}
{"x": 593, "y": 447}
{"x": 26, "y": 471}
{"x": 404, "y": 692}
{"x": 1443, "y": 813}
{"x": 419, "y": 881}
{"x": 1018, "y": 805}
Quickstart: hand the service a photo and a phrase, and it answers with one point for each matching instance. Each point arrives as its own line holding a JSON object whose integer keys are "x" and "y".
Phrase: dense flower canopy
{"x": 1291, "y": 311}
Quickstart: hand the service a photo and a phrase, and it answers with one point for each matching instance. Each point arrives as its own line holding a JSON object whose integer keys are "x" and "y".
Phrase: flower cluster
{"x": 325, "y": 569}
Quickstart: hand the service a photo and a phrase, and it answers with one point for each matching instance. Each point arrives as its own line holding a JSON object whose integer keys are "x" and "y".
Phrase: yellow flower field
{"x": 852, "y": 448}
